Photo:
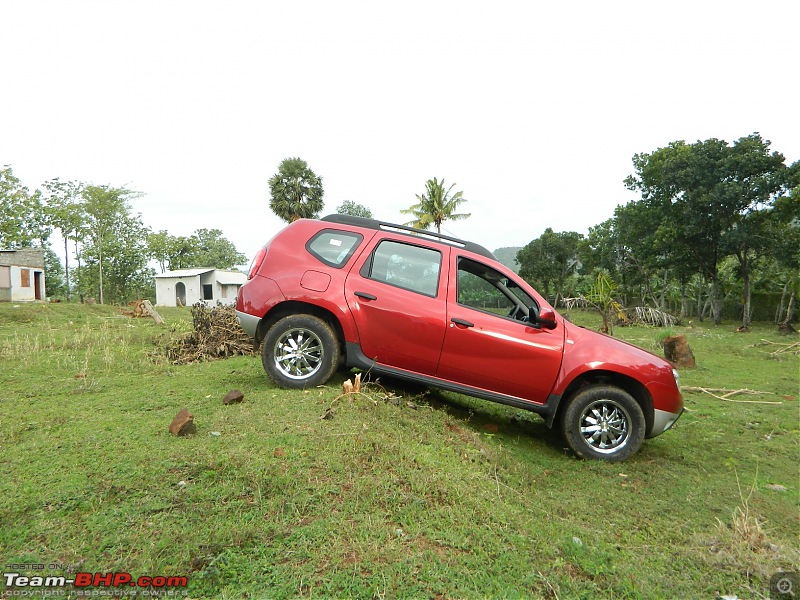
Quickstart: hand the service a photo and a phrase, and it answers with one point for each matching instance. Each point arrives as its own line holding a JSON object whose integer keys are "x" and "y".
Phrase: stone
{"x": 678, "y": 352}
{"x": 233, "y": 396}
{"x": 183, "y": 423}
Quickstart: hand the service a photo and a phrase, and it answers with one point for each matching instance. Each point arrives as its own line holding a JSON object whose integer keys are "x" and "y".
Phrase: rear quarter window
{"x": 333, "y": 247}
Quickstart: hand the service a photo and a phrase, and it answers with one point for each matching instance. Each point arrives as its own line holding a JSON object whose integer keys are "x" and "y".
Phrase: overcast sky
{"x": 533, "y": 109}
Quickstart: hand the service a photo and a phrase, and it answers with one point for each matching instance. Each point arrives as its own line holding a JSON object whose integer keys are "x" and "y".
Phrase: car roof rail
{"x": 405, "y": 229}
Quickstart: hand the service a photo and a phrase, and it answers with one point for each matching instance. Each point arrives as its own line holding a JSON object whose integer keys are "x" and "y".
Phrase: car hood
{"x": 598, "y": 350}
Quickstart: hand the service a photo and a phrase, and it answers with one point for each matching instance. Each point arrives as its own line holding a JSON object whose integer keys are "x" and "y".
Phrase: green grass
{"x": 397, "y": 496}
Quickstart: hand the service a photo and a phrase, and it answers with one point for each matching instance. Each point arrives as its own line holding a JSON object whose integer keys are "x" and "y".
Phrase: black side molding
{"x": 356, "y": 358}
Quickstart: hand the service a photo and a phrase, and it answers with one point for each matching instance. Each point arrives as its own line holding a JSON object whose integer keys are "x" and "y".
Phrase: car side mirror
{"x": 546, "y": 317}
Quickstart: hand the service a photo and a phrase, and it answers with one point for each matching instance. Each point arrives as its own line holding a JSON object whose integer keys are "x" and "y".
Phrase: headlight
{"x": 677, "y": 377}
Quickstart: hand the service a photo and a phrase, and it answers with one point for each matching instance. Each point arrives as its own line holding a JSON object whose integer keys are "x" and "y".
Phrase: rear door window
{"x": 333, "y": 247}
{"x": 406, "y": 266}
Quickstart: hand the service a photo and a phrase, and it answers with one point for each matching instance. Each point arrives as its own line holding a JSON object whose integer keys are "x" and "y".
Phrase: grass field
{"x": 403, "y": 494}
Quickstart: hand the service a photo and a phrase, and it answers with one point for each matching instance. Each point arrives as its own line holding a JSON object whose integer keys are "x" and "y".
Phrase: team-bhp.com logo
{"x": 87, "y": 580}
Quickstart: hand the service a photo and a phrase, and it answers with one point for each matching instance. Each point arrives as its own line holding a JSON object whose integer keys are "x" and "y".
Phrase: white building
{"x": 184, "y": 287}
{"x": 22, "y": 275}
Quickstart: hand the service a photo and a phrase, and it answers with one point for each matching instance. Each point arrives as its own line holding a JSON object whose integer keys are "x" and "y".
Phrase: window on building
{"x": 24, "y": 278}
{"x": 208, "y": 291}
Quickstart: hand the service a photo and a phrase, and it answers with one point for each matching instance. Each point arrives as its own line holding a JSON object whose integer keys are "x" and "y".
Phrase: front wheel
{"x": 603, "y": 422}
{"x": 300, "y": 351}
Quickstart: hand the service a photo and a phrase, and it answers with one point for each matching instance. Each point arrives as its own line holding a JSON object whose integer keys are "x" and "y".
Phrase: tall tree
{"x": 647, "y": 251}
{"x": 105, "y": 208}
{"x": 180, "y": 252}
{"x": 348, "y": 207}
{"x": 23, "y": 222}
{"x": 158, "y": 247}
{"x": 295, "y": 191}
{"x": 785, "y": 227}
{"x": 65, "y": 214}
{"x": 204, "y": 248}
{"x": 211, "y": 249}
{"x": 436, "y": 206}
{"x": 601, "y": 249}
{"x": 749, "y": 241}
{"x": 704, "y": 188}
{"x": 54, "y": 273}
{"x": 759, "y": 178}
{"x": 126, "y": 275}
{"x": 549, "y": 260}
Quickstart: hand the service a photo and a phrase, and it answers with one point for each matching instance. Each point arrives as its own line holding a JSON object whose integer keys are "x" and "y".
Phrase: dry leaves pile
{"x": 216, "y": 334}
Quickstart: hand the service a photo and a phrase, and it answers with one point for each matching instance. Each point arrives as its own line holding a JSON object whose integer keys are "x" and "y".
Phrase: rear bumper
{"x": 255, "y": 299}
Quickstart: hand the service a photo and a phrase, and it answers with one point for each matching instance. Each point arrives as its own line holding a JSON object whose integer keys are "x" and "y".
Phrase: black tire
{"x": 603, "y": 422}
{"x": 300, "y": 351}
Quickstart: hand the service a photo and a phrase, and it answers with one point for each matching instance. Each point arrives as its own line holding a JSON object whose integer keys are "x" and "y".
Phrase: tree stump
{"x": 786, "y": 328}
{"x": 149, "y": 311}
{"x": 678, "y": 352}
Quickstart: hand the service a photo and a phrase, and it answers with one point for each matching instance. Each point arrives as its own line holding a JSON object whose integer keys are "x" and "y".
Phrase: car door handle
{"x": 463, "y": 322}
{"x": 365, "y": 296}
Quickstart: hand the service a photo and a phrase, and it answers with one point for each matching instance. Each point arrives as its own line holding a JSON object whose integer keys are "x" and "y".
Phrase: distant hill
{"x": 507, "y": 256}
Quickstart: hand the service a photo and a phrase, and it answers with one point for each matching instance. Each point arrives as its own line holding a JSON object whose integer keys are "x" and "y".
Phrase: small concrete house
{"x": 22, "y": 275}
{"x": 184, "y": 287}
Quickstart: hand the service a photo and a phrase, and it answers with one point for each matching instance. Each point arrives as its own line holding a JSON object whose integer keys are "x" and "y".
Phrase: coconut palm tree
{"x": 436, "y": 206}
{"x": 296, "y": 191}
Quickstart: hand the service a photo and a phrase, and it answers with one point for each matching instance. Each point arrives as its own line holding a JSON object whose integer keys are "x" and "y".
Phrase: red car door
{"x": 487, "y": 344}
{"x": 396, "y": 294}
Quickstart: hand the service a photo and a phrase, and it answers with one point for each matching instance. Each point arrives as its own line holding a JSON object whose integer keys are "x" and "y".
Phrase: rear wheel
{"x": 603, "y": 422}
{"x": 300, "y": 351}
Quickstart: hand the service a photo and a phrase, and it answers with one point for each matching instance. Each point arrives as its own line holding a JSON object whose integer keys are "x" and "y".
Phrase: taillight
{"x": 256, "y": 264}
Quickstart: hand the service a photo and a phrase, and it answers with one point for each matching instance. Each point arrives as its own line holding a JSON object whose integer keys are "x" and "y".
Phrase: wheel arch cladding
{"x": 294, "y": 307}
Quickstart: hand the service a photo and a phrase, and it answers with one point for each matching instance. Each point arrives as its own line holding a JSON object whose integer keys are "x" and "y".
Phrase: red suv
{"x": 443, "y": 312}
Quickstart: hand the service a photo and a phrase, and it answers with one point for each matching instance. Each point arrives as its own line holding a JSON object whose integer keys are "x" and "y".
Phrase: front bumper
{"x": 248, "y": 322}
{"x": 663, "y": 420}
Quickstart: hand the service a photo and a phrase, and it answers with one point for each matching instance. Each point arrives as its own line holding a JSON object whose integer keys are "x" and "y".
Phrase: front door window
{"x": 489, "y": 290}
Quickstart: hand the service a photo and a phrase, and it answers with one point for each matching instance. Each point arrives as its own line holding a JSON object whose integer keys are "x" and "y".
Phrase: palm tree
{"x": 436, "y": 206}
{"x": 296, "y": 191}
